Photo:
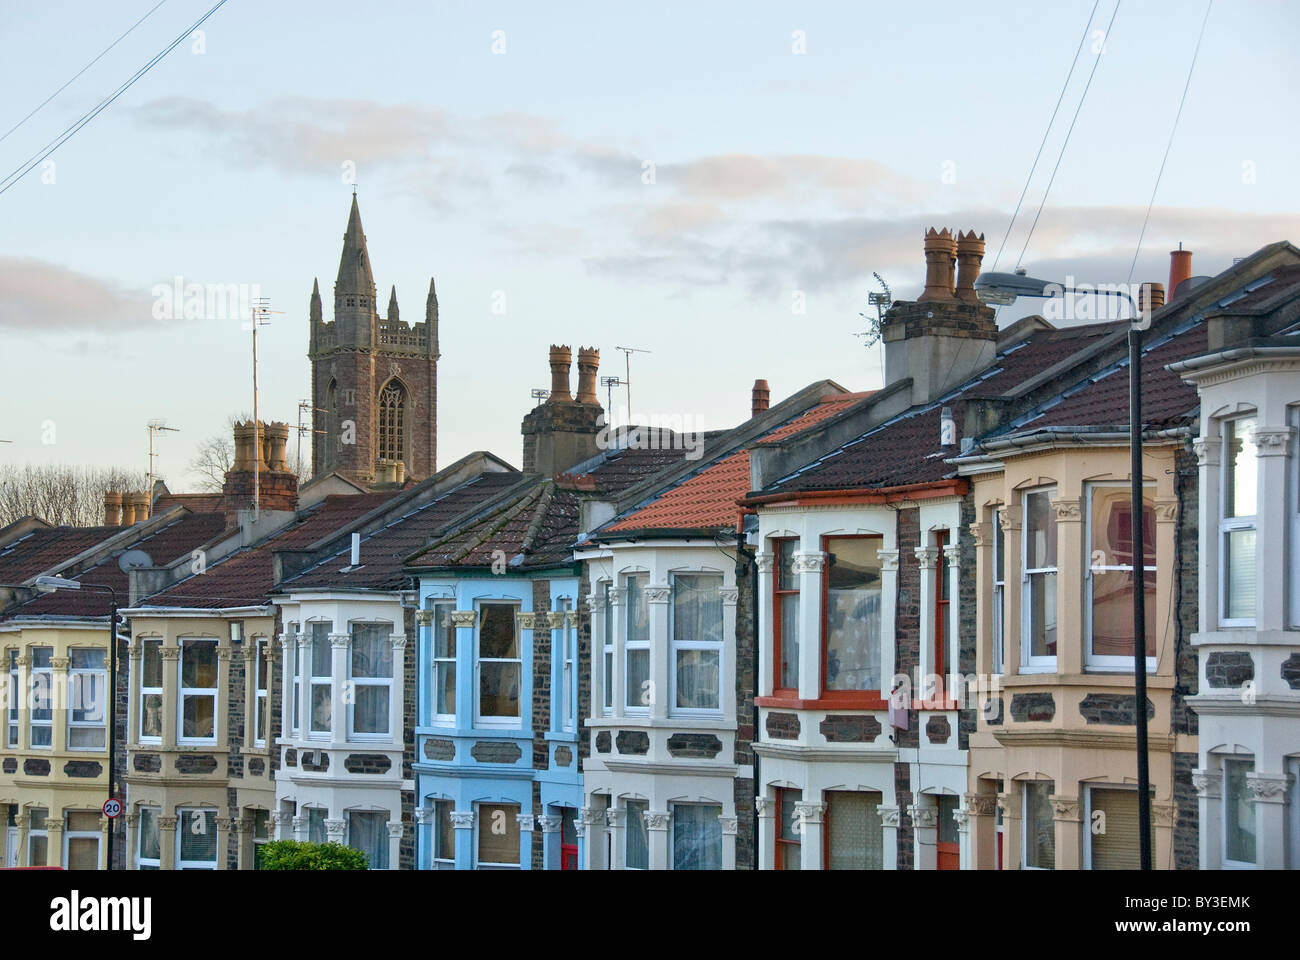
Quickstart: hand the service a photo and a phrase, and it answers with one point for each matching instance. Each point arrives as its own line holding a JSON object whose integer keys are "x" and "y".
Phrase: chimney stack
{"x": 560, "y": 357}
{"x": 112, "y": 508}
{"x": 588, "y": 364}
{"x": 264, "y": 450}
{"x": 1151, "y": 297}
{"x": 1180, "y": 269}
{"x": 760, "y": 398}
{"x": 940, "y": 256}
{"x": 970, "y": 254}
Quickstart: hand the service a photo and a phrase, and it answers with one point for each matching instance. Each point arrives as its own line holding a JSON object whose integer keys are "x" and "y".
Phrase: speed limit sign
{"x": 112, "y": 808}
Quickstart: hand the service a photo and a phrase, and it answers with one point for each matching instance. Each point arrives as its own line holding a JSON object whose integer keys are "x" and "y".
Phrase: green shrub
{"x": 294, "y": 855}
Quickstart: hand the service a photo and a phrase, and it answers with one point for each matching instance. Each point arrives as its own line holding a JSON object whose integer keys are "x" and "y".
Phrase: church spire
{"x": 315, "y": 301}
{"x": 392, "y": 306}
{"x": 431, "y": 318}
{"x": 355, "y": 276}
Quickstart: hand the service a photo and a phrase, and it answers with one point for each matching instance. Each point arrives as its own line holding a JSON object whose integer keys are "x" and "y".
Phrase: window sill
{"x": 864, "y": 702}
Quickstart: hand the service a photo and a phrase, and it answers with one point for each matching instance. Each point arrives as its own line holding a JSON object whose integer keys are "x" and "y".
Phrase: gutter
{"x": 1228, "y": 356}
{"x": 954, "y": 486}
{"x": 254, "y": 611}
{"x": 1071, "y": 436}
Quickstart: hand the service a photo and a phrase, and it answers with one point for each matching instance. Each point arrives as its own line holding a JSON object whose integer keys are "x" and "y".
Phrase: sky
{"x": 714, "y": 183}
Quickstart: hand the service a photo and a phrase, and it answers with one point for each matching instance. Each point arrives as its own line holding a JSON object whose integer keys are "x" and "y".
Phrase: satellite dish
{"x": 133, "y": 559}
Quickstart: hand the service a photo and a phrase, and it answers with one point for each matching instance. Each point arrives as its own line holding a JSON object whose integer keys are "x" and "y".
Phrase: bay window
{"x": 697, "y": 836}
{"x": 196, "y": 839}
{"x": 636, "y": 647}
{"x": 81, "y": 840}
{"x": 785, "y": 619}
{"x": 443, "y": 641}
{"x": 498, "y": 836}
{"x": 999, "y": 592}
{"x": 1039, "y": 842}
{"x": 607, "y": 646}
{"x": 854, "y": 830}
{"x": 1238, "y": 813}
{"x": 499, "y": 665}
{"x": 368, "y": 832}
{"x": 322, "y": 669}
{"x": 370, "y": 672}
{"x": 198, "y": 690}
{"x": 851, "y": 616}
{"x": 151, "y": 690}
{"x": 695, "y": 632}
{"x": 1038, "y": 581}
{"x": 636, "y": 854}
{"x": 1109, "y": 581}
{"x": 259, "y": 696}
{"x": 88, "y": 698}
{"x": 148, "y": 854}
{"x": 789, "y": 830}
{"x": 40, "y": 718}
{"x": 1237, "y": 511}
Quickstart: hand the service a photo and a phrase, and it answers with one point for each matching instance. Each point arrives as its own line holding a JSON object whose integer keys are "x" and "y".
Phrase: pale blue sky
{"x": 522, "y": 172}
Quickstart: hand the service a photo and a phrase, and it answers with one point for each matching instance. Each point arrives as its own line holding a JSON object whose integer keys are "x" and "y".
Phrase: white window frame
{"x": 180, "y": 832}
{"x": 565, "y": 700}
{"x": 11, "y": 708}
{"x": 184, "y": 692}
{"x": 998, "y": 623}
{"x": 515, "y": 722}
{"x": 385, "y": 682}
{"x": 74, "y": 698}
{"x": 145, "y": 643}
{"x": 1224, "y": 813}
{"x": 314, "y": 681}
{"x": 633, "y": 706}
{"x": 1227, "y": 525}
{"x": 154, "y": 863}
{"x": 675, "y": 646}
{"x": 1028, "y": 662}
{"x": 70, "y": 835}
{"x": 261, "y": 676}
{"x": 295, "y": 681}
{"x": 34, "y": 675}
{"x": 440, "y": 666}
{"x": 1091, "y": 661}
{"x": 607, "y": 679}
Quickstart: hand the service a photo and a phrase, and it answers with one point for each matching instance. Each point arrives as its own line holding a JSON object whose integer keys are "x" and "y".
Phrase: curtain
{"x": 697, "y": 837}
{"x": 854, "y": 830}
{"x": 368, "y": 832}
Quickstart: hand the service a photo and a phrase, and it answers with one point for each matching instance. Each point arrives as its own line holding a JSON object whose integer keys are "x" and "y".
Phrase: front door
{"x": 949, "y": 849}
{"x": 568, "y": 838}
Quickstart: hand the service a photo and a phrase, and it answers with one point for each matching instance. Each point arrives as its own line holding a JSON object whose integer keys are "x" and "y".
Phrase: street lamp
{"x": 1004, "y": 289}
{"x": 51, "y": 584}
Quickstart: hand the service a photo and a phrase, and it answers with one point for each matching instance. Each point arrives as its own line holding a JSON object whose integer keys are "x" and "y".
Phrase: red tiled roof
{"x": 707, "y": 500}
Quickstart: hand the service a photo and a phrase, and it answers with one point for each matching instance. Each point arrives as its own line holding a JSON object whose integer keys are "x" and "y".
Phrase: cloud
{"x": 36, "y": 295}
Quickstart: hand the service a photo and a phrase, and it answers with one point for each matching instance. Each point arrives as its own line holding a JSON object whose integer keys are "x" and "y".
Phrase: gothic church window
{"x": 392, "y": 422}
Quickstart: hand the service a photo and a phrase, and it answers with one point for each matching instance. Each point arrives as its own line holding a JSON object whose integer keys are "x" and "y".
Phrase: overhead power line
{"x": 32, "y": 162}
{"x": 37, "y": 108}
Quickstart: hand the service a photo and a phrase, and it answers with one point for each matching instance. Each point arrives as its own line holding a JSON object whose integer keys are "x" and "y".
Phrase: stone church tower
{"x": 374, "y": 380}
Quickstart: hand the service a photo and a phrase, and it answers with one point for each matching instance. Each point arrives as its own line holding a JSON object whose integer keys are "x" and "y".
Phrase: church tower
{"x": 374, "y": 380}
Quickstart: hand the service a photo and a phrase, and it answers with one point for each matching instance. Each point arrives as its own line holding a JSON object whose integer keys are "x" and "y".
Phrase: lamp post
{"x": 49, "y": 585}
{"x": 1004, "y": 289}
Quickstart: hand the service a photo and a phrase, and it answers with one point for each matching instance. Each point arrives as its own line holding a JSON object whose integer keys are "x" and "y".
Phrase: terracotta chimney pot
{"x": 1180, "y": 268}
{"x": 112, "y": 508}
{"x": 970, "y": 254}
{"x": 560, "y": 359}
{"x": 760, "y": 398}
{"x": 588, "y": 365}
{"x": 940, "y": 258}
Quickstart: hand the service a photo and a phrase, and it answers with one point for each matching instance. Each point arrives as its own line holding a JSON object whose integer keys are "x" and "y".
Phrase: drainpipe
{"x": 751, "y": 565}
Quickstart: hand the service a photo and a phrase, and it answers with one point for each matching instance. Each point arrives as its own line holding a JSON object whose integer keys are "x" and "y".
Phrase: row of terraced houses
{"x": 860, "y": 630}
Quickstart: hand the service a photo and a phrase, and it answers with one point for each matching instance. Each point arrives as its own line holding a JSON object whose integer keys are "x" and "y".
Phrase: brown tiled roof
{"x": 47, "y": 547}
{"x": 707, "y": 500}
{"x": 384, "y": 551}
{"x": 198, "y": 502}
{"x": 175, "y": 540}
{"x": 536, "y": 528}
{"x": 247, "y": 576}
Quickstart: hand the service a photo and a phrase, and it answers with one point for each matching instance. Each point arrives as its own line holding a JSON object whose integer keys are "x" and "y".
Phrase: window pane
{"x": 86, "y": 738}
{"x": 372, "y": 653}
{"x": 444, "y": 834}
{"x": 321, "y": 656}
{"x": 638, "y": 678}
{"x": 368, "y": 832}
{"x": 149, "y": 834}
{"x": 1040, "y": 529}
{"x": 697, "y": 609}
{"x": 1113, "y": 833}
{"x": 1239, "y": 811}
{"x": 151, "y": 720}
{"x": 38, "y": 851}
{"x": 261, "y": 824}
{"x": 370, "y": 709}
{"x": 999, "y": 549}
{"x": 497, "y": 635}
{"x": 83, "y": 853}
{"x": 321, "y": 712}
{"x": 261, "y": 665}
{"x": 853, "y": 614}
{"x": 697, "y": 837}
{"x": 787, "y": 801}
{"x": 198, "y": 717}
{"x": 1241, "y": 468}
{"x": 947, "y": 805}
{"x": 789, "y": 677}
{"x": 498, "y": 689}
{"x": 1112, "y": 613}
{"x": 638, "y": 611}
{"x": 316, "y": 832}
{"x": 42, "y": 657}
{"x": 151, "y": 668}
{"x": 199, "y": 663}
{"x": 498, "y": 833}
{"x": 637, "y": 856}
{"x": 88, "y": 697}
{"x": 855, "y": 830}
{"x": 609, "y": 679}
{"x": 198, "y": 835}
{"x": 789, "y": 832}
{"x": 83, "y": 821}
{"x": 609, "y": 613}
{"x": 697, "y": 679}
{"x": 785, "y": 576}
{"x": 1040, "y": 828}
{"x": 1239, "y": 574}
{"x": 445, "y": 686}
{"x": 82, "y": 659}
{"x": 444, "y": 634}
{"x": 1112, "y": 528}
{"x": 1042, "y": 614}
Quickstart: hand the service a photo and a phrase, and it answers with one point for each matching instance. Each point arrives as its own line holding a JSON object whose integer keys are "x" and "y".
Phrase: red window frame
{"x": 777, "y": 595}
{"x": 863, "y": 699}
{"x": 784, "y": 845}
